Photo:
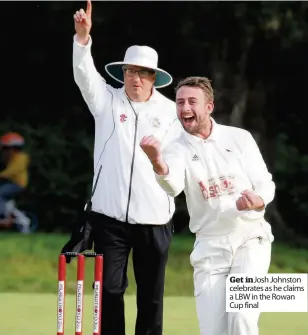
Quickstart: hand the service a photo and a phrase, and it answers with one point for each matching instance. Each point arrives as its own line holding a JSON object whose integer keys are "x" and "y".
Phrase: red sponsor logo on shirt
{"x": 215, "y": 189}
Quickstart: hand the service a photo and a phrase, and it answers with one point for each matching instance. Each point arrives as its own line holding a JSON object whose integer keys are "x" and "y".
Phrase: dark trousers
{"x": 149, "y": 245}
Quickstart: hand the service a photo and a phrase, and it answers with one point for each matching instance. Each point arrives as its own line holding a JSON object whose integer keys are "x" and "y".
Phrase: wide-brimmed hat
{"x": 143, "y": 56}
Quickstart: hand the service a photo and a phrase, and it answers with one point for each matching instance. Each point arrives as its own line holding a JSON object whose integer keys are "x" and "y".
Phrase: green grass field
{"x": 35, "y": 314}
{"x": 30, "y": 264}
{"x": 29, "y": 283}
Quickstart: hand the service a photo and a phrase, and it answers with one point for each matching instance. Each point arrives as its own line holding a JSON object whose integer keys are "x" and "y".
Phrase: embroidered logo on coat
{"x": 123, "y": 118}
{"x": 155, "y": 122}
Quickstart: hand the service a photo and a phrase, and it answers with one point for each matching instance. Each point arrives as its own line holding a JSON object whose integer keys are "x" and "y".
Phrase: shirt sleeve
{"x": 173, "y": 182}
{"x": 258, "y": 173}
{"x": 93, "y": 87}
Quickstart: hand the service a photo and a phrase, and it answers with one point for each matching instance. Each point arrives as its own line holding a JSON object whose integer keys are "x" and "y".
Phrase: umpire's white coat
{"x": 127, "y": 189}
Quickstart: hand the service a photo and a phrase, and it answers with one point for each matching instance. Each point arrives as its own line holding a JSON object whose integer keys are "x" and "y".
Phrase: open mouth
{"x": 187, "y": 119}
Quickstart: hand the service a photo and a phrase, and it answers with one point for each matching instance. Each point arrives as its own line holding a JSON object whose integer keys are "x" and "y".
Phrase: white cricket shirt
{"x": 227, "y": 163}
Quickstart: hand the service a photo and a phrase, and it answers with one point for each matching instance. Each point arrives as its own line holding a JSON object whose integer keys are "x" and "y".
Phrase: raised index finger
{"x": 89, "y": 8}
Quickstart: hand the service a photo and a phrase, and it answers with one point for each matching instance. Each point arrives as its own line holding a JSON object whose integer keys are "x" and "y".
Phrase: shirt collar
{"x": 214, "y": 135}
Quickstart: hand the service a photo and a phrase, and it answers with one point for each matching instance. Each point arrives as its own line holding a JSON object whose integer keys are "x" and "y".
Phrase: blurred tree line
{"x": 254, "y": 52}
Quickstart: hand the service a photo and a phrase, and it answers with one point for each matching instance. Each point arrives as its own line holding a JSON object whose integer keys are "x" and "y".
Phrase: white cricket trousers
{"x": 213, "y": 259}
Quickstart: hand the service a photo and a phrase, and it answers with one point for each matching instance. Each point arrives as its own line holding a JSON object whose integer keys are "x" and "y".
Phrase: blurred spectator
{"x": 14, "y": 177}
